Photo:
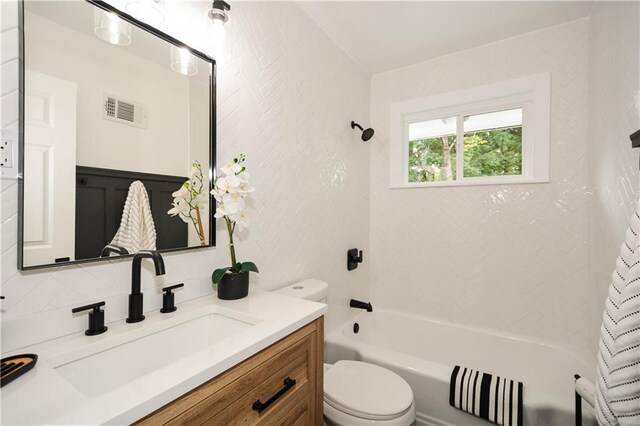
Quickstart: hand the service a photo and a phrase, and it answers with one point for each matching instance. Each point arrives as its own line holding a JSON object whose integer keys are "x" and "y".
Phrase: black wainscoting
{"x": 100, "y": 198}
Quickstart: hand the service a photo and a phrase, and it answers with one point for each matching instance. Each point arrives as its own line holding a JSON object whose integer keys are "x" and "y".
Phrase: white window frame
{"x": 532, "y": 94}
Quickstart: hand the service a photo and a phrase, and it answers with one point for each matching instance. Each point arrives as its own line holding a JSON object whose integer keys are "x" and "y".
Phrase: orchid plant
{"x": 230, "y": 191}
{"x": 189, "y": 199}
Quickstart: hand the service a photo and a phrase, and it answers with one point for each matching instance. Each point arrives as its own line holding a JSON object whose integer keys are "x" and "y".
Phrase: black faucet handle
{"x": 96, "y": 318}
{"x": 172, "y": 287}
{"x": 354, "y": 256}
{"x": 168, "y": 298}
{"x": 95, "y": 306}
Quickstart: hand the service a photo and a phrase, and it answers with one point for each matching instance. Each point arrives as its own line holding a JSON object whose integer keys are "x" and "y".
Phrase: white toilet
{"x": 355, "y": 392}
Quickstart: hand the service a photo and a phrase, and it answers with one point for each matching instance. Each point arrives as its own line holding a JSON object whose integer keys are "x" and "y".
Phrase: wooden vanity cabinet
{"x": 239, "y": 395}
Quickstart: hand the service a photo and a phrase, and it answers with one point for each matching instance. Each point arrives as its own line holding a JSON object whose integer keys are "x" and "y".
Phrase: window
{"x": 496, "y": 134}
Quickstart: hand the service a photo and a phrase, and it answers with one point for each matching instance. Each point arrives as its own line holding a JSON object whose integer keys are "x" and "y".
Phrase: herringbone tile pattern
{"x": 513, "y": 257}
{"x": 285, "y": 100}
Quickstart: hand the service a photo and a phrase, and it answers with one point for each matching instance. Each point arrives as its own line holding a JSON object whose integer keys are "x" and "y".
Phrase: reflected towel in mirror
{"x": 137, "y": 230}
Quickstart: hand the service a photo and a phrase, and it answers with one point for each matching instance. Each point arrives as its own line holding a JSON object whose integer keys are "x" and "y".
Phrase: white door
{"x": 49, "y": 169}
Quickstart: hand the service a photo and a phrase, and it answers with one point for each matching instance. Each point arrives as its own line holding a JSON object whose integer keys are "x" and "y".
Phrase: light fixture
{"x": 111, "y": 28}
{"x": 219, "y": 12}
{"x": 149, "y": 11}
{"x": 219, "y": 15}
{"x": 183, "y": 62}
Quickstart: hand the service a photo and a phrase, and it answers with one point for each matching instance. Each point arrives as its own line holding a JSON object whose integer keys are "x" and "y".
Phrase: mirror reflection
{"x": 117, "y": 120}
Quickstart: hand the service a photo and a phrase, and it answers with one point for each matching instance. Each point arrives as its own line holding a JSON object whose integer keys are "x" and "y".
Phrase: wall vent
{"x": 124, "y": 111}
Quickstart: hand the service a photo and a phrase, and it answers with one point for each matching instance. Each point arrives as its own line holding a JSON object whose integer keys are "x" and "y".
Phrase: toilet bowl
{"x": 358, "y": 393}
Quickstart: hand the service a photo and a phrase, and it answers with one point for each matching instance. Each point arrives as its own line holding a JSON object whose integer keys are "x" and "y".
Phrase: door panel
{"x": 49, "y": 168}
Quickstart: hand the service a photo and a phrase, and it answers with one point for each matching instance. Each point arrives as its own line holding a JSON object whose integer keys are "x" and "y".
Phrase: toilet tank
{"x": 314, "y": 290}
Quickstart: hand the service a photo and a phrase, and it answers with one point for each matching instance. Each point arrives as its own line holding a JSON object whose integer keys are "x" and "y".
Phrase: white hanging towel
{"x": 618, "y": 384}
{"x": 137, "y": 230}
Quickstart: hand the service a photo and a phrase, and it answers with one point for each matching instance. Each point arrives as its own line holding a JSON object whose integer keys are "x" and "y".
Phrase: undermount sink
{"x": 108, "y": 365}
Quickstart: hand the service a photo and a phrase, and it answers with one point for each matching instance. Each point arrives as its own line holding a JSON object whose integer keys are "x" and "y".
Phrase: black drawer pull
{"x": 261, "y": 406}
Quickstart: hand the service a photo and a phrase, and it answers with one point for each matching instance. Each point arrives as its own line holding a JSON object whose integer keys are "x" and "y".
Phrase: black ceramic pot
{"x": 233, "y": 286}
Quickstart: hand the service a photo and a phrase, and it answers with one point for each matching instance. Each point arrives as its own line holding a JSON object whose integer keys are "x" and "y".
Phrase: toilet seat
{"x": 366, "y": 391}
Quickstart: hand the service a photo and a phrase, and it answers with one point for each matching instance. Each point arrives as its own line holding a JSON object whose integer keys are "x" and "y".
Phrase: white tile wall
{"x": 510, "y": 258}
{"x": 286, "y": 101}
{"x": 613, "y": 165}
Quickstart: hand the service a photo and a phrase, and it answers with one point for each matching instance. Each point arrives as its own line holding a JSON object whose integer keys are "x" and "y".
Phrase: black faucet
{"x": 112, "y": 248}
{"x": 135, "y": 298}
{"x": 361, "y": 305}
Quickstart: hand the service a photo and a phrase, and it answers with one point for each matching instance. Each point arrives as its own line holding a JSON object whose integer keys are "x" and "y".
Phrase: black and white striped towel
{"x": 493, "y": 398}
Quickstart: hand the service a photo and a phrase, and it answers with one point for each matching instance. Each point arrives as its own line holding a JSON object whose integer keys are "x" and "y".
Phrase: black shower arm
{"x": 354, "y": 125}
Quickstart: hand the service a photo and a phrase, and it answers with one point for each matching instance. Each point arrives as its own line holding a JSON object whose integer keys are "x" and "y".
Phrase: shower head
{"x": 366, "y": 133}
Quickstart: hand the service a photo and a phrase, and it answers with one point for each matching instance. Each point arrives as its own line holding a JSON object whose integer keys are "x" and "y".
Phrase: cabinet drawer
{"x": 298, "y": 416}
{"x": 229, "y": 398}
{"x": 266, "y": 381}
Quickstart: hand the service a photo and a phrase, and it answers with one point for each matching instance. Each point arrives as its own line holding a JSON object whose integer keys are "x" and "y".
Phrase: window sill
{"x": 479, "y": 182}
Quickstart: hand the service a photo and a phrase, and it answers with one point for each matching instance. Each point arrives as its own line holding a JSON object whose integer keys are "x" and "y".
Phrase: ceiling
{"x": 79, "y": 16}
{"x": 383, "y": 35}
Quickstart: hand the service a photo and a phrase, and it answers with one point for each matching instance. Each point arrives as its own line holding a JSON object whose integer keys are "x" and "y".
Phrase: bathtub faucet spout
{"x": 361, "y": 305}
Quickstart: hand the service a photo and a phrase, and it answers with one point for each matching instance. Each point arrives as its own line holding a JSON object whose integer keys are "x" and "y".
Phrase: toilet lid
{"x": 366, "y": 390}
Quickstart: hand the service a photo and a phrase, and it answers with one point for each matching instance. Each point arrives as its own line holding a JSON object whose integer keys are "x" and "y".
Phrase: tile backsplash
{"x": 285, "y": 99}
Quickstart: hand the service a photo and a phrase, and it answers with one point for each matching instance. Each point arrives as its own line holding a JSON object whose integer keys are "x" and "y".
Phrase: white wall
{"x": 511, "y": 258}
{"x": 613, "y": 165}
{"x": 98, "y": 68}
{"x": 286, "y": 101}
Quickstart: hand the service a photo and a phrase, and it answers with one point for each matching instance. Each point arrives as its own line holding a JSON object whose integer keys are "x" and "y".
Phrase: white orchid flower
{"x": 178, "y": 208}
{"x": 181, "y": 209}
{"x": 217, "y": 195}
{"x": 189, "y": 199}
{"x": 231, "y": 169}
{"x": 221, "y": 211}
{"x": 241, "y": 220}
{"x": 182, "y": 193}
{"x": 245, "y": 188}
{"x": 230, "y": 190}
{"x": 233, "y": 203}
{"x": 221, "y": 185}
{"x": 233, "y": 181}
{"x": 227, "y": 184}
{"x": 195, "y": 172}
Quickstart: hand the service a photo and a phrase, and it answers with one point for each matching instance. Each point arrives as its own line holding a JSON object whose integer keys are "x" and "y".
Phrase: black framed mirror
{"x": 117, "y": 137}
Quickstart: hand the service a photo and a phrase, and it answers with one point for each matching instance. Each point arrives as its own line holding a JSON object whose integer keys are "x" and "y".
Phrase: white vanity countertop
{"x": 44, "y": 396}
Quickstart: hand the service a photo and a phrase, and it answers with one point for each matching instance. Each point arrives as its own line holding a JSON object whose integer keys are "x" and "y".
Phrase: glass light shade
{"x": 183, "y": 62}
{"x": 111, "y": 28}
{"x": 217, "y": 31}
{"x": 219, "y": 43}
{"x": 149, "y": 11}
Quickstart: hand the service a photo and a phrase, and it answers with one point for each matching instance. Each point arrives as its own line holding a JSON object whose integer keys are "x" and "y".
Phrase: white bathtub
{"x": 424, "y": 351}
